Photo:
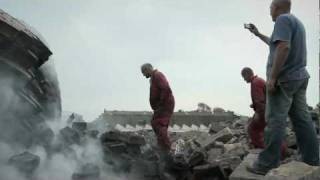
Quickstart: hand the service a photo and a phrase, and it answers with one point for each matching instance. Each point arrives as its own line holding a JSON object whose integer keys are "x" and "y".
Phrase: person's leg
{"x": 163, "y": 138}
{"x": 277, "y": 107}
{"x": 255, "y": 131}
{"x": 303, "y": 126}
{"x": 160, "y": 127}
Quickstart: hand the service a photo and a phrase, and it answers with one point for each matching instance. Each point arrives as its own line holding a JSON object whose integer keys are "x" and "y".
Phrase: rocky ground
{"x": 221, "y": 154}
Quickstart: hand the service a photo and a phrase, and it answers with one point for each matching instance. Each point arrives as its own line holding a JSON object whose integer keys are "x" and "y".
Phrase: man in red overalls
{"x": 162, "y": 104}
{"x": 257, "y": 122}
{"x": 258, "y": 96}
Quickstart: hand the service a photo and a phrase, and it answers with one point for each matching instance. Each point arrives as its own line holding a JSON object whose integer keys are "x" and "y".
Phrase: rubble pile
{"x": 223, "y": 153}
{"x": 26, "y": 163}
{"x": 194, "y": 154}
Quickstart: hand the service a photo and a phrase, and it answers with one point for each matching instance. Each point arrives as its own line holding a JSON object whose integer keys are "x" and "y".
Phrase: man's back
{"x": 290, "y": 29}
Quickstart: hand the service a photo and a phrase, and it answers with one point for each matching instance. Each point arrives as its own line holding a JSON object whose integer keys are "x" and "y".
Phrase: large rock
{"x": 241, "y": 172}
{"x": 26, "y": 163}
{"x": 215, "y": 140}
{"x": 291, "y": 140}
{"x": 87, "y": 172}
{"x": 129, "y": 138}
{"x": 212, "y": 170}
{"x": 197, "y": 157}
{"x": 70, "y": 136}
{"x": 294, "y": 171}
{"x": 237, "y": 149}
{"x": 224, "y": 135}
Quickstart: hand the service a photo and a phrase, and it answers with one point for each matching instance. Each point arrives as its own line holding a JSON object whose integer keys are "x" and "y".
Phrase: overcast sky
{"x": 200, "y": 45}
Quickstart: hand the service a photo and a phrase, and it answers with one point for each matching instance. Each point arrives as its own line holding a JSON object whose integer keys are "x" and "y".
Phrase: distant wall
{"x": 179, "y": 118}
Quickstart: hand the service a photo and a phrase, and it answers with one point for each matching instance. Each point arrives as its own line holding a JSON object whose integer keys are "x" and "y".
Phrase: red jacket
{"x": 161, "y": 98}
{"x": 258, "y": 95}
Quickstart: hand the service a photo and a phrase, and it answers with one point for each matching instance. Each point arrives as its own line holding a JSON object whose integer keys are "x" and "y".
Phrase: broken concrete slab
{"x": 197, "y": 157}
{"x": 129, "y": 138}
{"x": 79, "y": 126}
{"x": 214, "y": 153}
{"x": 209, "y": 170}
{"x": 216, "y": 140}
{"x": 241, "y": 172}
{"x": 88, "y": 171}
{"x": 117, "y": 147}
{"x": 237, "y": 149}
{"x": 224, "y": 135}
{"x": 294, "y": 171}
{"x": 70, "y": 136}
{"x": 26, "y": 163}
{"x": 228, "y": 163}
{"x": 215, "y": 128}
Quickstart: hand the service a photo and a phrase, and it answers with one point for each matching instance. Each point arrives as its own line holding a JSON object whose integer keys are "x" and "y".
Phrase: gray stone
{"x": 229, "y": 162}
{"x": 294, "y": 171}
{"x": 213, "y": 154}
{"x": 70, "y": 136}
{"x": 291, "y": 140}
{"x": 79, "y": 126}
{"x": 215, "y": 128}
{"x": 26, "y": 163}
{"x": 223, "y": 136}
{"x": 237, "y": 149}
{"x": 241, "y": 172}
{"x": 117, "y": 147}
{"x": 212, "y": 170}
{"x": 129, "y": 138}
{"x": 197, "y": 157}
{"x": 87, "y": 172}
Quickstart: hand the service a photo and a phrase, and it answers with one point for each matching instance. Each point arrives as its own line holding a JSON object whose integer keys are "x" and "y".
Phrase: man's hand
{"x": 271, "y": 85}
{"x": 253, "y": 29}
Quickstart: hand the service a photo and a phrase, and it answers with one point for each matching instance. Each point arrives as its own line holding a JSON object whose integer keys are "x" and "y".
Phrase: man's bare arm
{"x": 254, "y": 30}
{"x": 264, "y": 38}
{"x": 280, "y": 57}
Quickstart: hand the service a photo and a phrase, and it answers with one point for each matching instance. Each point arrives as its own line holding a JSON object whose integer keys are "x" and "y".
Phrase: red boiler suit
{"x": 162, "y": 103}
{"x": 256, "y": 127}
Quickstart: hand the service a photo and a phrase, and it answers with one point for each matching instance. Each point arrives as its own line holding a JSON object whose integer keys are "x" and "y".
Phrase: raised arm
{"x": 254, "y": 30}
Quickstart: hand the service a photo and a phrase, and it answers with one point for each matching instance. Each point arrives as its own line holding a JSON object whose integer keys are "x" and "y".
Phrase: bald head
{"x": 146, "y": 66}
{"x": 146, "y": 70}
{"x": 283, "y": 4}
{"x": 247, "y": 74}
{"x": 279, "y": 7}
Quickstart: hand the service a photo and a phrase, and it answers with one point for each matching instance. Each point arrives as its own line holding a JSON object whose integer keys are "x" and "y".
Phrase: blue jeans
{"x": 288, "y": 99}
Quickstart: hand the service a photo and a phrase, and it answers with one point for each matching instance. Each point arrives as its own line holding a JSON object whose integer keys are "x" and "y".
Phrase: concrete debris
{"x": 197, "y": 157}
{"x": 215, "y": 128}
{"x": 128, "y": 137}
{"x": 294, "y": 171}
{"x": 291, "y": 140}
{"x": 70, "y": 136}
{"x": 241, "y": 173}
{"x": 26, "y": 163}
{"x": 224, "y": 135}
{"x": 81, "y": 127}
{"x": 88, "y": 171}
{"x": 237, "y": 149}
{"x": 213, "y": 171}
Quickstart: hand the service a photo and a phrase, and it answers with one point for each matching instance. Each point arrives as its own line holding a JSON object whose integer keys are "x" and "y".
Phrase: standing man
{"x": 258, "y": 96}
{"x": 162, "y": 103}
{"x": 287, "y": 81}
